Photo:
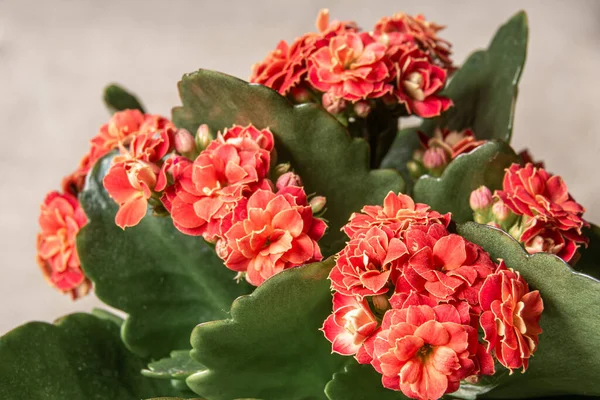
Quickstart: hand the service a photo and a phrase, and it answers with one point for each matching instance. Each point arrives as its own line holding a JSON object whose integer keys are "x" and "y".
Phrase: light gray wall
{"x": 56, "y": 56}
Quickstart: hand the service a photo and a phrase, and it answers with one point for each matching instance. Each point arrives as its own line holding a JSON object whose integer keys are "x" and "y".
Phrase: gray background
{"x": 56, "y": 56}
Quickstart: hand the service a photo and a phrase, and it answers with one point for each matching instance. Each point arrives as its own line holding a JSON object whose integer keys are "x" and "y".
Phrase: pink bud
{"x": 435, "y": 157}
{"x": 184, "y": 142}
{"x": 288, "y": 179}
{"x": 300, "y": 95}
{"x": 203, "y": 137}
{"x": 332, "y": 104}
{"x": 317, "y": 204}
{"x": 362, "y": 109}
{"x": 481, "y": 198}
{"x": 501, "y": 211}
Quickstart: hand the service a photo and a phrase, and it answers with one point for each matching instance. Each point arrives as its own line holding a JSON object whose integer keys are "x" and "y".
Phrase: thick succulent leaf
{"x": 567, "y": 361}
{"x": 81, "y": 357}
{"x": 450, "y": 193}
{"x": 179, "y": 365}
{"x": 318, "y": 147}
{"x": 359, "y": 382}
{"x": 484, "y": 90}
{"x": 271, "y": 347}
{"x": 166, "y": 281}
{"x": 117, "y": 98}
{"x": 589, "y": 263}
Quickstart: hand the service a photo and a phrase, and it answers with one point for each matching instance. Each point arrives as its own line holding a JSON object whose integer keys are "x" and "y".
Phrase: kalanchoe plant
{"x": 283, "y": 239}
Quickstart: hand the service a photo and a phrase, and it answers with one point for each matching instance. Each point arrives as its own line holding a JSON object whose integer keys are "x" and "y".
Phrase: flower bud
{"x": 500, "y": 211}
{"x": 184, "y": 142}
{"x": 435, "y": 158}
{"x": 203, "y": 137}
{"x": 415, "y": 169}
{"x": 381, "y": 304}
{"x": 480, "y": 199}
{"x": 288, "y": 179}
{"x": 332, "y": 104}
{"x": 317, "y": 204}
{"x": 300, "y": 95}
{"x": 281, "y": 169}
{"x": 362, "y": 109}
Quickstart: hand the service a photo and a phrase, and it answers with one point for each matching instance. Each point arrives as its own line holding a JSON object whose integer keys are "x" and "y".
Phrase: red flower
{"x": 401, "y": 30}
{"x": 352, "y": 67}
{"x": 119, "y": 131}
{"x": 444, "y": 265}
{"x": 543, "y": 199}
{"x": 287, "y": 66}
{"x": 418, "y": 83}
{"x": 135, "y": 175}
{"x": 510, "y": 318}
{"x": 350, "y": 325}
{"x": 398, "y": 213}
{"x": 425, "y": 352}
{"x": 60, "y": 220}
{"x": 278, "y": 233}
{"x": 368, "y": 263}
{"x": 206, "y": 190}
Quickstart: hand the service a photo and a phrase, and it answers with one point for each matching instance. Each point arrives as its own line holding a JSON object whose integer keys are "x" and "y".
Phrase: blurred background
{"x": 57, "y": 56}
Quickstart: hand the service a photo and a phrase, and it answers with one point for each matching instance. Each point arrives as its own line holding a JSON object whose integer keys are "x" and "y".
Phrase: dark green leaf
{"x": 117, "y": 99}
{"x": 359, "y": 382}
{"x": 79, "y": 358}
{"x": 589, "y": 263}
{"x": 450, "y": 193}
{"x": 318, "y": 147}
{"x": 166, "y": 281}
{"x": 107, "y": 315}
{"x": 178, "y": 366}
{"x": 271, "y": 347}
{"x": 484, "y": 89}
{"x": 567, "y": 361}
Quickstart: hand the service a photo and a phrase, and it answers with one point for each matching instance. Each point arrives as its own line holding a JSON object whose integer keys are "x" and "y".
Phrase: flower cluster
{"x": 225, "y": 195}
{"x": 409, "y": 297}
{"x": 402, "y": 62}
{"x": 536, "y": 208}
{"x": 438, "y": 151}
{"x": 61, "y": 215}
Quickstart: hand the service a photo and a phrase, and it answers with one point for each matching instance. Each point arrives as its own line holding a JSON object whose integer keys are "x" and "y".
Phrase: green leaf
{"x": 484, "y": 90}
{"x": 567, "y": 361}
{"x": 450, "y": 193}
{"x": 271, "y": 347}
{"x": 79, "y": 358}
{"x": 166, "y": 281}
{"x": 318, "y": 147}
{"x": 178, "y": 366}
{"x": 589, "y": 263}
{"x": 359, "y": 382}
{"x": 117, "y": 98}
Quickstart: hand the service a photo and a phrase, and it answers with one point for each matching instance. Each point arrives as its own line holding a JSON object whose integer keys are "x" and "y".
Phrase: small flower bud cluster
{"x": 409, "y": 297}
{"x": 438, "y": 151}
